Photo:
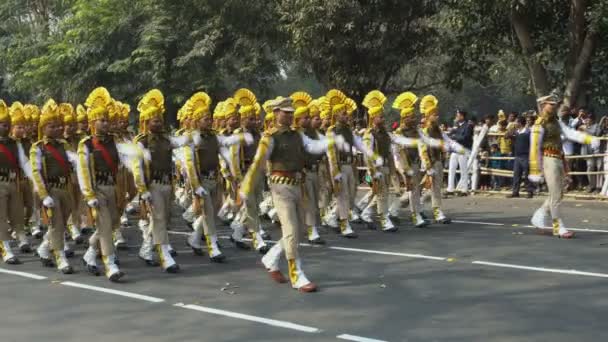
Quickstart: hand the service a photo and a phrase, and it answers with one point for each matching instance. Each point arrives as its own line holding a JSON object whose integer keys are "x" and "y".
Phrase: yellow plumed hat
{"x": 246, "y": 100}
{"x": 34, "y": 113}
{"x": 229, "y": 108}
{"x": 50, "y": 112}
{"x": 81, "y": 113}
{"x": 314, "y": 108}
{"x": 428, "y": 105}
{"x": 406, "y": 103}
{"x": 66, "y": 110}
{"x": 374, "y": 102}
{"x": 97, "y": 104}
{"x": 114, "y": 110}
{"x": 17, "y": 113}
{"x": 198, "y": 105}
{"x": 151, "y": 105}
{"x": 300, "y": 102}
{"x": 218, "y": 112}
{"x": 125, "y": 110}
{"x": 334, "y": 102}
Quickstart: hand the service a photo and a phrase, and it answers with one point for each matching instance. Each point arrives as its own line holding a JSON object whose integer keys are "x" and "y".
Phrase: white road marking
{"x": 22, "y": 274}
{"x": 114, "y": 292}
{"x": 268, "y": 321}
{"x": 482, "y": 223}
{"x": 590, "y": 230}
{"x": 358, "y": 338}
{"x": 541, "y": 269}
{"x": 369, "y": 251}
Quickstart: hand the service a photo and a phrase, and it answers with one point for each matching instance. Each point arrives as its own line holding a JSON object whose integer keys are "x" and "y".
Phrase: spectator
{"x": 462, "y": 134}
{"x": 496, "y": 181}
{"x": 593, "y": 164}
{"x": 521, "y": 153}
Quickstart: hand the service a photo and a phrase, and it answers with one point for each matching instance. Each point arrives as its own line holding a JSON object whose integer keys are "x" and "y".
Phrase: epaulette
{"x": 270, "y": 132}
{"x": 238, "y": 130}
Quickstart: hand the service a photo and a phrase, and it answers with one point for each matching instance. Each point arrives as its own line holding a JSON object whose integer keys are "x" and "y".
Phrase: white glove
{"x": 48, "y": 202}
{"x": 146, "y": 196}
{"x": 248, "y": 138}
{"x": 200, "y": 192}
{"x": 93, "y": 203}
{"x": 196, "y": 138}
{"x": 430, "y": 172}
{"x": 378, "y": 175}
{"x": 379, "y": 162}
{"x": 341, "y": 143}
{"x": 338, "y": 177}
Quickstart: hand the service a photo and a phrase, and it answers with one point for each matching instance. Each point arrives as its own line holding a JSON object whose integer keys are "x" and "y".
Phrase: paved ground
{"x": 487, "y": 277}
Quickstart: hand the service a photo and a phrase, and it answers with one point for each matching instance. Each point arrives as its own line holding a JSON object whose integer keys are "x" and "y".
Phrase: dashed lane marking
{"x": 22, "y": 274}
{"x": 541, "y": 269}
{"x": 114, "y": 292}
{"x": 358, "y": 338}
{"x": 267, "y": 321}
{"x": 370, "y": 251}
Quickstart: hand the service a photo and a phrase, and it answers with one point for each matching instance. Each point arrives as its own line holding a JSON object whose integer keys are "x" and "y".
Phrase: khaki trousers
{"x": 249, "y": 213}
{"x": 27, "y": 195}
{"x": 60, "y": 211}
{"x": 437, "y": 184}
{"x": 415, "y": 188}
{"x": 311, "y": 203}
{"x": 553, "y": 169}
{"x": 161, "y": 200}
{"x": 11, "y": 201}
{"x": 108, "y": 218}
{"x": 325, "y": 186}
{"x": 289, "y": 204}
{"x": 208, "y": 204}
{"x": 348, "y": 191}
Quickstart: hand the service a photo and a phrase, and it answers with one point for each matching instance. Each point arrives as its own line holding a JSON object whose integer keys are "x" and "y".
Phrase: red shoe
{"x": 310, "y": 287}
{"x": 277, "y": 276}
{"x": 567, "y": 235}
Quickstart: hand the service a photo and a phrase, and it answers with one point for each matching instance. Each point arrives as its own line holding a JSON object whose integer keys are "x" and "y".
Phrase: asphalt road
{"x": 486, "y": 277}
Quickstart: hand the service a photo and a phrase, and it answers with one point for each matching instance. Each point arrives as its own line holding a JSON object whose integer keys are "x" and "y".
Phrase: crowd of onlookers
{"x": 509, "y": 136}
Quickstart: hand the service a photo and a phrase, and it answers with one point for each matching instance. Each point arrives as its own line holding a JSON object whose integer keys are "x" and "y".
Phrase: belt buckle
{"x": 110, "y": 179}
{"x": 12, "y": 175}
{"x": 62, "y": 180}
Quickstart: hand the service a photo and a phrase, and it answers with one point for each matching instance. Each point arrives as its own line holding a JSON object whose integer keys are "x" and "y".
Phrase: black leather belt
{"x": 208, "y": 175}
{"x": 57, "y": 182}
{"x": 161, "y": 178}
{"x": 105, "y": 178}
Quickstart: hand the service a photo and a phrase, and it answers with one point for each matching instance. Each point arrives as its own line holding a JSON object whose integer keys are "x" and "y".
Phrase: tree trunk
{"x": 580, "y": 69}
{"x": 538, "y": 74}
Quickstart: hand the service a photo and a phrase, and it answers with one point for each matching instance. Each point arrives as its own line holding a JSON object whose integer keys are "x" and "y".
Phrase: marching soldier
{"x": 305, "y": 108}
{"x": 52, "y": 173}
{"x": 72, "y": 138}
{"x": 407, "y": 160}
{"x": 432, "y": 157}
{"x": 99, "y": 157}
{"x": 547, "y": 162}
{"x": 24, "y": 189}
{"x": 283, "y": 147}
{"x": 202, "y": 162}
{"x": 13, "y": 164}
{"x": 241, "y": 157}
{"x": 341, "y": 167}
{"x": 153, "y": 178}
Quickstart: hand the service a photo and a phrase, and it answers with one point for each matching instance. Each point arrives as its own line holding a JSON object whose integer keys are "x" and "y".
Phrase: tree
{"x": 559, "y": 44}
{"x": 357, "y": 45}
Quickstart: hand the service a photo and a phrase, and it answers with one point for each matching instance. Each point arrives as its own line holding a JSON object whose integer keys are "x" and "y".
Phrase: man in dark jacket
{"x": 462, "y": 133}
{"x": 521, "y": 152}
